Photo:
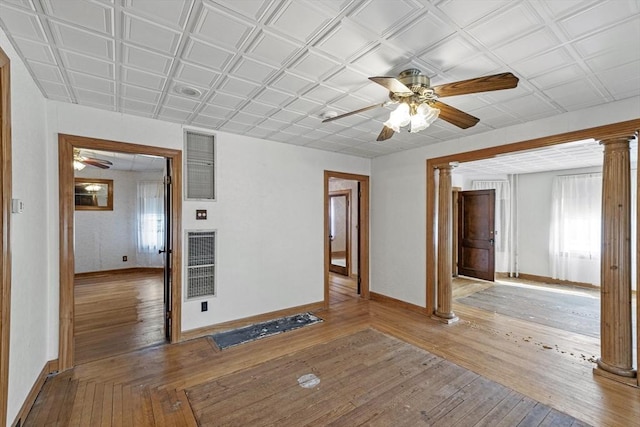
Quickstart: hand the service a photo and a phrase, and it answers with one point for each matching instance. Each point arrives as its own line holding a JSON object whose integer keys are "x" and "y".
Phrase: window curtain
{"x": 502, "y": 235}
{"x": 575, "y": 230}
{"x": 150, "y": 217}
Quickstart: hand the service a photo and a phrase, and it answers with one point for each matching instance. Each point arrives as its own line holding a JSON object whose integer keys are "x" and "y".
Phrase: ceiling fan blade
{"x": 98, "y": 164}
{"x": 385, "y": 133}
{"x": 393, "y": 85}
{"x": 361, "y": 110}
{"x": 104, "y": 162}
{"x": 480, "y": 84}
{"x": 455, "y": 116}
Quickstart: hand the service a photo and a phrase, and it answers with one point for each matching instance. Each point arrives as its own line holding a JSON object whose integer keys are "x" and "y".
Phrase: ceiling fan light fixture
{"x": 423, "y": 117}
{"x": 78, "y": 166}
{"x": 400, "y": 117}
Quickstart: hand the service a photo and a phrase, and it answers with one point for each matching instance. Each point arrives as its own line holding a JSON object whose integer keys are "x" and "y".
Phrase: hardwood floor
{"x": 117, "y": 313}
{"x": 148, "y": 386}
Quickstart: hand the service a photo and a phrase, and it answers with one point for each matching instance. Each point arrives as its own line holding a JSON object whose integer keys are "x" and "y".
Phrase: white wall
{"x": 102, "y": 238}
{"x": 268, "y": 214}
{"x": 29, "y": 288}
{"x": 398, "y": 220}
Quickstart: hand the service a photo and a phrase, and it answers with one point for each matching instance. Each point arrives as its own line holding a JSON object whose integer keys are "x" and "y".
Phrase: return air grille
{"x": 200, "y": 166}
{"x": 201, "y": 248}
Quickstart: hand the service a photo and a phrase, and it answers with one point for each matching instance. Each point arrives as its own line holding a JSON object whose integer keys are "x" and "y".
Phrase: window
{"x": 574, "y": 244}
{"x": 200, "y": 166}
{"x": 150, "y": 216}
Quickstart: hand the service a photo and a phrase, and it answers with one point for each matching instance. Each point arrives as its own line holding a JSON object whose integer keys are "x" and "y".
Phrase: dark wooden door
{"x": 476, "y": 227}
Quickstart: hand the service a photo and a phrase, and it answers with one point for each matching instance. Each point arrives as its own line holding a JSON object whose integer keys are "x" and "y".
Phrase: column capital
{"x": 625, "y": 137}
{"x": 446, "y": 166}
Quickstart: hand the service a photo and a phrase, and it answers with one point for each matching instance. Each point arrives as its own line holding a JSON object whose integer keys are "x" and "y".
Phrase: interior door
{"x": 339, "y": 232}
{"x": 167, "y": 251}
{"x": 476, "y": 234}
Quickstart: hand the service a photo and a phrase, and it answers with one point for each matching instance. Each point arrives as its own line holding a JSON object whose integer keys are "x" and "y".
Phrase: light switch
{"x": 17, "y": 206}
{"x": 201, "y": 214}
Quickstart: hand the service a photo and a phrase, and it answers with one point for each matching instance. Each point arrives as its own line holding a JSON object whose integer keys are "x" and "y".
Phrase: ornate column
{"x": 444, "y": 306}
{"x": 615, "y": 270}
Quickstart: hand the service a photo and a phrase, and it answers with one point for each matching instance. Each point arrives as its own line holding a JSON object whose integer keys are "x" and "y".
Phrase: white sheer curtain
{"x": 150, "y": 217}
{"x": 574, "y": 243}
{"x": 503, "y": 238}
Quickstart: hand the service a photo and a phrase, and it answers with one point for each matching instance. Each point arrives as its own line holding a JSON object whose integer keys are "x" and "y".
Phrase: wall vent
{"x": 200, "y": 166}
{"x": 201, "y": 265}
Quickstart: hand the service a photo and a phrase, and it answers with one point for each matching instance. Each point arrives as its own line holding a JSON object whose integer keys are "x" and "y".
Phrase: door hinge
{"x": 167, "y": 180}
{"x": 168, "y": 314}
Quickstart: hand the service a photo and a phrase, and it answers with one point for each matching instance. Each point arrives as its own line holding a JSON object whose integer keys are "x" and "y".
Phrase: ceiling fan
{"x": 79, "y": 161}
{"x": 419, "y": 103}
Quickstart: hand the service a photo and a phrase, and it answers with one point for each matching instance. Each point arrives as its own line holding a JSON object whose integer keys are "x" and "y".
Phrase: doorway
{"x": 67, "y": 144}
{"x": 475, "y": 230}
{"x": 346, "y": 227}
{"x": 340, "y": 234}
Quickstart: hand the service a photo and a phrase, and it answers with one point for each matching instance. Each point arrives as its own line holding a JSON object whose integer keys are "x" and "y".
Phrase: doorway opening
{"x": 346, "y": 219}
{"x": 170, "y": 249}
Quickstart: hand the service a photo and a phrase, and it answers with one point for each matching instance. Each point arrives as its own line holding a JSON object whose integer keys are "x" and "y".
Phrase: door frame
{"x": 363, "y": 227}
{"x": 5, "y": 229}
{"x": 66, "y": 144}
{"x": 620, "y": 129}
{"x": 347, "y": 194}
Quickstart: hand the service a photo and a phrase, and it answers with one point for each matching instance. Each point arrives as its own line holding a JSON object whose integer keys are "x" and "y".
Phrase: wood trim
{"x": 626, "y": 128}
{"x": 5, "y": 228}
{"x": 363, "y": 225}
{"x": 49, "y": 367}
{"x": 66, "y": 144}
{"x": 397, "y": 303}
{"x": 102, "y": 273}
{"x": 246, "y": 321}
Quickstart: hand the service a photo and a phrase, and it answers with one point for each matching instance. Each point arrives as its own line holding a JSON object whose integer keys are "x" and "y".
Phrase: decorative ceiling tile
{"x": 273, "y": 97}
{"x": 558, "y": 76}
{"x": 151, "y": 35}
{"x": 228, "y": 101}
{"x": 207, "y": 55}
{"x": 449, "y": 53}
{"x": 347, "y": 40}
{"x": 145, "y": 59}
{"x": 301, "y": 20}
{"x": 274, "y": 124}
{"x": 380, "y": 59}
{"x": 207, "y": 122}
{"x": 258, "y": 108}
{"x": 87, "y": 81}
{"x": 253, "y": 9}
{"x": 314, "y": 64}
{"x": 239, "y": 87}
{"x": 464, "y": 12}
{"x": 305, "y": 106}
{"x": 82, "y": 41}
{"x": 612, "y": 58}
{"x": 181, "y": 103}
{"x": 274, "y": 49}
{"x": 385, "y": 17}
{"x": 601, "y": 15}
{"x": 142, "y": 78}
{"x": 141, "y": 94}
{"x": 505, "y": 25}
{"x": 532, "y": 44}
{"x": 247, "y": 119}
{"x": 35, "y": 51}
{"x": 218, "y": 27}
{"x": 191, "y": 73}
{"x": 174, "y": 12}
{"x": 255, "y": 71}
{"x": 323, "y": 94}
{"x": 174, "y": 114}
{"x": 46, "y": 72}
{"x": 422, "y": 34}
{"x": 578, "y": 92}
{"x": 54, "y": 89}
{"x": 291, "y": 83}
{"x": 20, "y": 23}
{"x": 217, "y": 111}
{"x": 89, "y": 65}
{"x": 477, "y": 66}
{"x": 627, "y": 33}
{"x": 95, "y": 98}
{"x": 543, "y": 63}
{"x": 90, "y": 15}
{"x": 25, "y": 4}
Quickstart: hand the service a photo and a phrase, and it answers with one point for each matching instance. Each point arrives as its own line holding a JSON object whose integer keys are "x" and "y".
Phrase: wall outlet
{"x": 204, "y": 306}
{"x": 124, "y": 258}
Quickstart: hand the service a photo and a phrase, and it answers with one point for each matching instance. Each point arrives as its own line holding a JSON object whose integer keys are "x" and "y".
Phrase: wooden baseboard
{"x": 50, "y": 367}
{"x": 246, "y": 321}
{"x": 118, "y": 271}
{"x": 550, "y": 280}
{"x": 397, "y": 303}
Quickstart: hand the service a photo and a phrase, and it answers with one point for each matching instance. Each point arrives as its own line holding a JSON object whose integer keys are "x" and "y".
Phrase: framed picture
{"x": 92, "y": 194}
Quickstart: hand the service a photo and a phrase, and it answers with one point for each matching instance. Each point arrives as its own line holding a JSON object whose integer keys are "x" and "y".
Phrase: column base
{"x": 622, "y": 372}
{"x": 445, "y": 318}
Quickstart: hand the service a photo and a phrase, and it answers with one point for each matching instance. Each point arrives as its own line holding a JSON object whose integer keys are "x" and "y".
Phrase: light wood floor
{"x": 117, "y": 313}
{"x": 148, "y": 386}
